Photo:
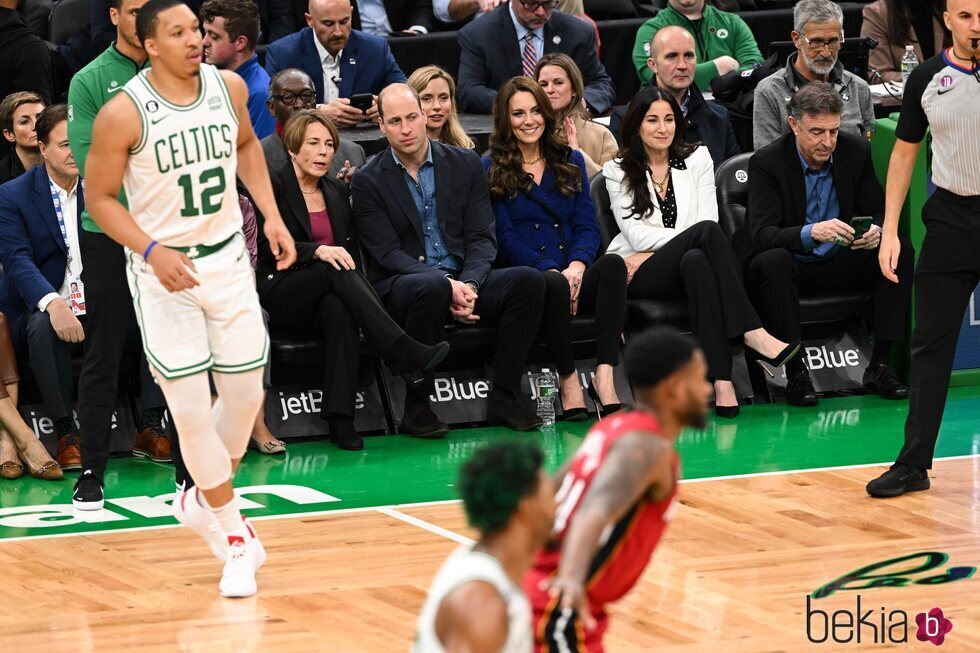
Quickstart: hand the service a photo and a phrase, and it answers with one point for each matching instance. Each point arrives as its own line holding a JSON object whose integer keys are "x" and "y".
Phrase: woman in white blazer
{"x": 663, "y": 196}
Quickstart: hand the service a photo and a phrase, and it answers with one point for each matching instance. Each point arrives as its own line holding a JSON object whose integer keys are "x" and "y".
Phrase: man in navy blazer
{"x": 342, "y": 61}
{"x": 422, "y": 211}
{"x": 493, "y": 52}
{"x": 42, "y": 267}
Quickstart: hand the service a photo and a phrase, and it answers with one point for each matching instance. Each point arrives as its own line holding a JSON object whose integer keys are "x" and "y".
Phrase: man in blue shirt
{"x": 231, "y": 31}
{"x": 804, "y": 190}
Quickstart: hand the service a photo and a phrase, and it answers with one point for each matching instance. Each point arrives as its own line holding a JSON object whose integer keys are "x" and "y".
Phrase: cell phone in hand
{"x": 861, "y": 225}
{"x": 362, "y": 101}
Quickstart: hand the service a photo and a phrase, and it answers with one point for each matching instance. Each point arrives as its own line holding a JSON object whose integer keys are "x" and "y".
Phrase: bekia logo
{"x": 933, "y": 626}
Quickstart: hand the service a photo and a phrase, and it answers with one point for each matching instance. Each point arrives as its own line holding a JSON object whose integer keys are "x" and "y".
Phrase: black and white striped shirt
{"x": 945, "y": 95}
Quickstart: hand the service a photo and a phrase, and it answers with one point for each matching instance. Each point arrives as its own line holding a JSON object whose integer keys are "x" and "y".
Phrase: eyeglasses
{"x": 533, "y": 6}
{"x": 289, "y": 99}
{"x": 818, "y": 45}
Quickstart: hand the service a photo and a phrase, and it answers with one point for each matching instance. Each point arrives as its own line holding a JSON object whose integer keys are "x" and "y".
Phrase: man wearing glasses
{"x": 818, "y": 33}
{"x": 508, "y": 41}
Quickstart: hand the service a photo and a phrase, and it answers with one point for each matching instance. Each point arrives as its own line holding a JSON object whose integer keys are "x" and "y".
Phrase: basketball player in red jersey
{"x": 616, "y": 495}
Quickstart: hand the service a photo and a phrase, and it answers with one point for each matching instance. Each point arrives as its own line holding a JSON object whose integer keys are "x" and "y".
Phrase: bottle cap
{"x": 545, "y": 369}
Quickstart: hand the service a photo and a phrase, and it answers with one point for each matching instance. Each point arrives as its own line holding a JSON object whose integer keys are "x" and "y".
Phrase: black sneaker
{"x": 884, "y": 381}
{"x": 88, "y": 492}
{"x": 512, "y": 411}
{"x": 898, "y": 480}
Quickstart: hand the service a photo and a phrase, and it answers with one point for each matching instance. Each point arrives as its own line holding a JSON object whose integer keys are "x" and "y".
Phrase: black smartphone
{"x": 362, "y": 101}
{"x": 861, "y": 225}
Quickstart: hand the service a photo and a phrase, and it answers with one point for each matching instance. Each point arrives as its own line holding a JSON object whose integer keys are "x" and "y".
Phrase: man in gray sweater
{"x": 818, "y": 34}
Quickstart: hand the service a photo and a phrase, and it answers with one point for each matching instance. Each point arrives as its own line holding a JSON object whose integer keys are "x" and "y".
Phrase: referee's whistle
{"x": 974, "y": 42}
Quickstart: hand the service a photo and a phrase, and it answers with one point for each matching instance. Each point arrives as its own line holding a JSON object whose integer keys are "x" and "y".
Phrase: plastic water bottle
{"x": 546, "y": 396}
{"x": 909, "y": 62}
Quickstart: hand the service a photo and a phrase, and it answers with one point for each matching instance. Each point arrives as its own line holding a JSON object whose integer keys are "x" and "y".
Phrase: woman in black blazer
{"x": 325, "y": 291}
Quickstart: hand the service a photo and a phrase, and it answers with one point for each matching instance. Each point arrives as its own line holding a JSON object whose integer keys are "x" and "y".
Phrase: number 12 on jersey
{"x": 211, "y": 185}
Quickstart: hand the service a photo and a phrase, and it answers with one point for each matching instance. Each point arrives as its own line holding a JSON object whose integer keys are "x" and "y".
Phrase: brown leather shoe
{"x": 152, "y": 443}
{"x": 11, "y": 469}
{"x": 69, "y": 454}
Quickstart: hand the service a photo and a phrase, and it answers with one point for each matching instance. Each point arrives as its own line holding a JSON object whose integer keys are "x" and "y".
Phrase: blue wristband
{"x": 149, "y": 249}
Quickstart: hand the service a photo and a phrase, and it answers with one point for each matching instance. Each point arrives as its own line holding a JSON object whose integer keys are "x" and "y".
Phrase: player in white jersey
{"x": 476, "y": 602}
{"x": 176, "y": 138}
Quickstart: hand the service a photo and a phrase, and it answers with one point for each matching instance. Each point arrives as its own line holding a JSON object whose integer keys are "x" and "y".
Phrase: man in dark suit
{"x": 422, "y": 211}
{"x": 508, "y": 41}
{"x": 804, "y": 190}
{"x": 342, "y": 61}
{"x": 40, "y": 219}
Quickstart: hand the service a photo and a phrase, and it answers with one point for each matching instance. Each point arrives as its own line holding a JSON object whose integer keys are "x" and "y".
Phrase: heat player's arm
{"x": 635, "y": 463}
{"x": 472, "y": 619}
{"x": 116, "y": 129}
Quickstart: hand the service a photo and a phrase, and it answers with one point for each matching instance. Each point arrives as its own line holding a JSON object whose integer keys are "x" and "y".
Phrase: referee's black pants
{"x": 947, "y": 272}
{"x": 109, "y": 322}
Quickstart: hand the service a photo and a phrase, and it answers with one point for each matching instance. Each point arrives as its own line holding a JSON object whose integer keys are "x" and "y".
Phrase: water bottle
{"x": 546, "y": 396}
{"x": 909, "y": 62}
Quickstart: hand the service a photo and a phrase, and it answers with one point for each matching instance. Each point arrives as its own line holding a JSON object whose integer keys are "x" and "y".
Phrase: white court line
{"x": 341, "y": 511}
{"x": 432, "y": 528}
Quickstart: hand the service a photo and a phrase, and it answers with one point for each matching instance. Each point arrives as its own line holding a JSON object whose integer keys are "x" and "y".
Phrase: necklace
{"x": 659, "y": 185}
{"x": 308, "y": 192}
{"x": 533, "y": 161}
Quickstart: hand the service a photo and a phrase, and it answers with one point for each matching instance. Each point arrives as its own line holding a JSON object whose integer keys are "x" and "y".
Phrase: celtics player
{"x": 174, "y": 139}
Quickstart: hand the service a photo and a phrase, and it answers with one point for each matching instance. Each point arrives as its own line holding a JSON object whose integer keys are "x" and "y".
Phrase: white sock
{"x": 230, "y": 519}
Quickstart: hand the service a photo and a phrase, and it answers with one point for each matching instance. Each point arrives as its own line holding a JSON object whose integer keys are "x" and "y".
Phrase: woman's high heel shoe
{"x": 605, "y": 410}
{"x": 780, "y": 359}
{"x": 574, "y": 414}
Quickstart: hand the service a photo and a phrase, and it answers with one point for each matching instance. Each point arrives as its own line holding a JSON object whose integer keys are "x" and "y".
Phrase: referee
{"x": 944, "y": 93}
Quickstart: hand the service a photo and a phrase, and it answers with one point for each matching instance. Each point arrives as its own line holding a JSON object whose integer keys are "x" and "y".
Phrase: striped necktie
{"x": 529, "y": 57}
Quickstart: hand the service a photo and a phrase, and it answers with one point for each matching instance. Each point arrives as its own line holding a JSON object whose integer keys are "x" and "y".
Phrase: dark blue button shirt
{"x": 821, "y": 205}
{"x": 257, "y": 80}
{"x": 424, "y": 194}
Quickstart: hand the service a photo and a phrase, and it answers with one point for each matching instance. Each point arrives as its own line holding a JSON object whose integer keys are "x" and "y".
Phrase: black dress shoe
{"x": 574, "y": 414}
{"x": 419, "y": 420}
{"x": 884, "y": 381}
{"x": 342, "y": 432}
{"x": 800, "y": 391}
{"x": 898, "y": 480}
{"x": 511, "y": 411}
{"x": 409, "y": 355}
{"x": 728, "y": 412}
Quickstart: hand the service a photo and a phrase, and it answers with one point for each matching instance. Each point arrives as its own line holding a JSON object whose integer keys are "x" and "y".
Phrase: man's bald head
{"x": 962, "y": 18}
{"x": 331, "y": 22}
{"x": 671, "y": 36}
{"x": 398, "y": 94}
{"x": 672, "y": 60}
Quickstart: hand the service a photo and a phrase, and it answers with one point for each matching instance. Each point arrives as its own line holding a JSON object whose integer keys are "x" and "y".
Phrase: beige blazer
{"x": 596, "y": 143}
{"x": 887, "y": 57}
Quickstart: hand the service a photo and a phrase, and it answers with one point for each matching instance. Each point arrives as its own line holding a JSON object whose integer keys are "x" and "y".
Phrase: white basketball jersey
{"x": 180, "y": 181}
{"x": 463, "y": 566}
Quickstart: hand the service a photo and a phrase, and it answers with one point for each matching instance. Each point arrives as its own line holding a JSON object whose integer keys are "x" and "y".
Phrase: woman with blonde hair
{"x": 437, "y": 92}
{"x": 559, "y": 76}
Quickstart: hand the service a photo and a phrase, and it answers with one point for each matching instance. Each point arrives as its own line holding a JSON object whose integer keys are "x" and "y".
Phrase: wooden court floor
{"x": 732, "y": 574}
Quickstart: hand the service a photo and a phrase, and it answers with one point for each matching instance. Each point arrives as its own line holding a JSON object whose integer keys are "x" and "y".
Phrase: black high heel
{"x": 574, "y": 414}
{"x": 605, "y": 410}
{"x": 780, "y": 359}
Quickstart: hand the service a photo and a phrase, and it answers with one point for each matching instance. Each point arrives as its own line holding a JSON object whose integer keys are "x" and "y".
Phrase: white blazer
{"x": 694, "y": 190}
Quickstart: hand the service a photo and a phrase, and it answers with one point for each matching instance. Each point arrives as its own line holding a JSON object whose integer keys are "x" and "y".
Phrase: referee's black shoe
{"x": 884, "y": 381}
{"x": 898, "y": 480}
{"x": 88, "y": 492}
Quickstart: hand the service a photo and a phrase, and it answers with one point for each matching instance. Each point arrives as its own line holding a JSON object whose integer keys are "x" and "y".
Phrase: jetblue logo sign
{"x": 836, "y": 362}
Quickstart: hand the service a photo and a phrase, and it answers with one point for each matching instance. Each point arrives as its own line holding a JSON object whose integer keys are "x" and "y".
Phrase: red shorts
{"x": 555, "y": 631}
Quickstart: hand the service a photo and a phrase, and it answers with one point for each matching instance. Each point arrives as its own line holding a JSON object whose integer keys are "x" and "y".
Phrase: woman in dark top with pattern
{"x": 546, "y": 220}
{"x": 325, "y": 291}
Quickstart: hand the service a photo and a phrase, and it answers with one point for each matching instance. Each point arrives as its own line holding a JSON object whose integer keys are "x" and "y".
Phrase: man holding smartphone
{"x": 815, "y": 206}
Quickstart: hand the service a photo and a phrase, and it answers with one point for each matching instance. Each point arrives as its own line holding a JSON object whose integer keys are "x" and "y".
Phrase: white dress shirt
{"x": 694, "y": 190}
{"x": 331, "y": 71}
{"x": 374, "y": 17}
{"x": 69, "y": 211}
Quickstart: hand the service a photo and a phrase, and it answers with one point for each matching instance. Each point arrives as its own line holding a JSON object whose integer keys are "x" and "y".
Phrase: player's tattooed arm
{"x": 472, "y": 619}
{"x": 632, "y": 466}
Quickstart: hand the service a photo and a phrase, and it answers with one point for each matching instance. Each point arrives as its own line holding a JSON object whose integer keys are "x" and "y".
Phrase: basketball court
{"x": 773, "y": 510}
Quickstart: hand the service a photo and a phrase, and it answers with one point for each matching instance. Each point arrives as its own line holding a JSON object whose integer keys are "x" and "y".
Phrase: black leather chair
{"x": 731, "y": 181}
{"x": 640, "y": 313}
{"x": 65, "y": 19}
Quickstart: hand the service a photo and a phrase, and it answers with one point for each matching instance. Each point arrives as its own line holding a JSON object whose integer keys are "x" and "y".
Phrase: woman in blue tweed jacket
{"x": 545, "y": 219}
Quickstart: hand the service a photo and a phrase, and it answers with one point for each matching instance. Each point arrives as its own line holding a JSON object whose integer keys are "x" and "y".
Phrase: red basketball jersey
{"x": 626, "y": 546}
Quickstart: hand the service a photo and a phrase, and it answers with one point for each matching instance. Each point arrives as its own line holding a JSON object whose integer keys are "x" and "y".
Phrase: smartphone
{"x": 861, "y": 225}
{"x": 362, "y": 101}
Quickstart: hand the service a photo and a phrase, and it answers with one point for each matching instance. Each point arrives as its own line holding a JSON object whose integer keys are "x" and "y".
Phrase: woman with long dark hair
{"x": 545, "y": 219}
{"x": 898, "y": 23}
{"x": 662, "y": 191}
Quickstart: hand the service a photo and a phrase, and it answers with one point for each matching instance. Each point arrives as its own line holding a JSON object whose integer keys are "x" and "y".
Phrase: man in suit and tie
{"x": 342, "y": 61}
{"x": 40, "y": 219}
{"x": 804, "y": 190}
{"x": 422, "y": 212}
{"x": 508, "y": 41}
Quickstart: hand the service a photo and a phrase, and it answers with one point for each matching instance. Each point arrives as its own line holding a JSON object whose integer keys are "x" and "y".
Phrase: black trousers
{"x": 779, "y": 279}
{"x": 336, "y": 303}
{"x": 510, "y": 299}
{"x": 50, "y": 360}
{"x": 603, "y": 294}
{"x": 109, "y": 319}
{"x": 945, "y": 277}
{"x": 699, "y": 264}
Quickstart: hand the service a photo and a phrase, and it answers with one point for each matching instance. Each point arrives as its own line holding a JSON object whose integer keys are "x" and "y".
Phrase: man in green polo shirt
{"x": 723, "y": 41}
{"x": 109, "y": 307}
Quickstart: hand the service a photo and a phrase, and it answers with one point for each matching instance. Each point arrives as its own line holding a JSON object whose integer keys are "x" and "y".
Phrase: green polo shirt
{"x": 717, "y": 34}
{"x": 90, "y": 89}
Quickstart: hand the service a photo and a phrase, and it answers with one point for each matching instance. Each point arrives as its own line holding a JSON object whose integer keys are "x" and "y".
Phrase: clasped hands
{"x": 463, "y": 302}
